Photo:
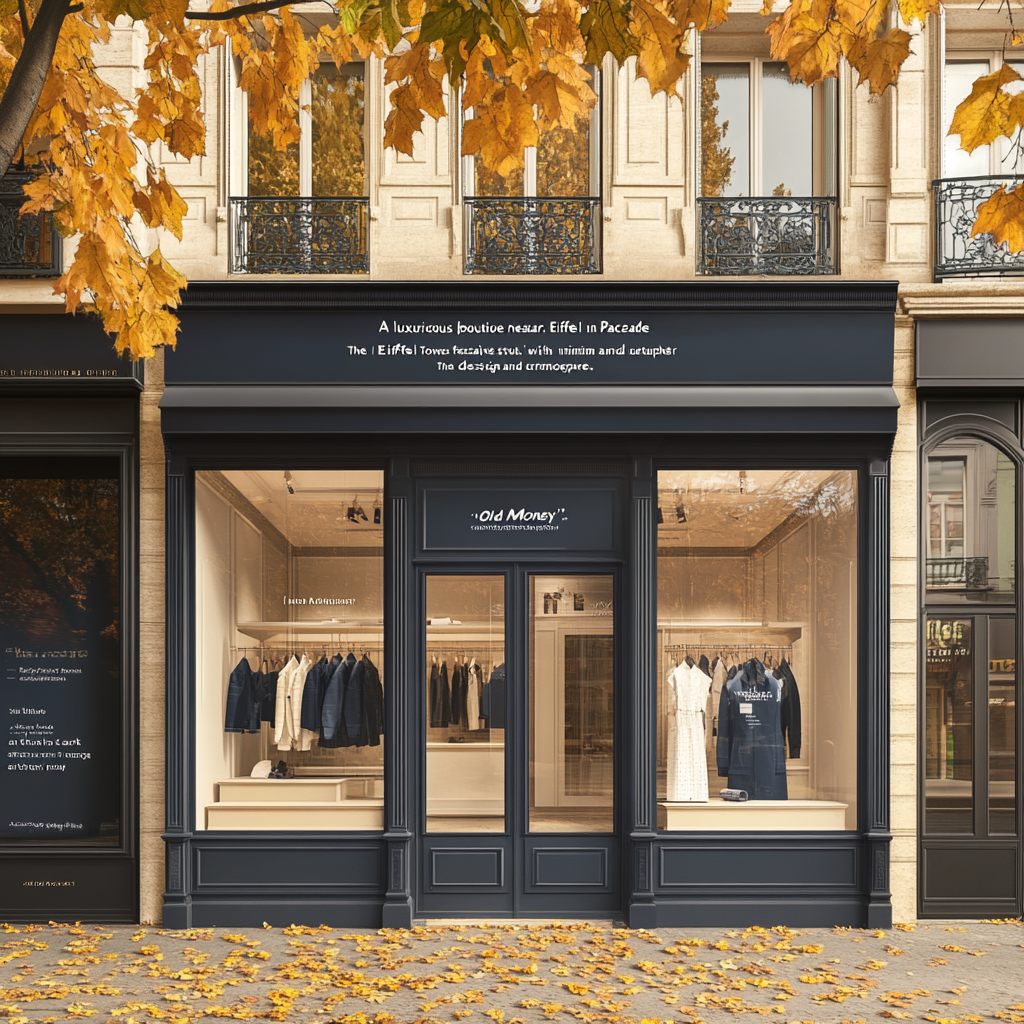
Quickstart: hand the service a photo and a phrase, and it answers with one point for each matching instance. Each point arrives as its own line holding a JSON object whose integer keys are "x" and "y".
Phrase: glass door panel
{"x": 949, "y": 729}
{"x": 1002, "y": 727}
{"x": 572, "y": 704}
{"x": 465, "y": 703}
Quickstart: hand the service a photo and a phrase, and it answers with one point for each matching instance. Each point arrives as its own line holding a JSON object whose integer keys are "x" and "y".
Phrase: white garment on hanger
{"x": 282, "y": 717}
{"x": 718, "y": 679}
{"x": 473, "y": 696}
{"x": 687, "y": 766}
{"x": 301, "y": 738}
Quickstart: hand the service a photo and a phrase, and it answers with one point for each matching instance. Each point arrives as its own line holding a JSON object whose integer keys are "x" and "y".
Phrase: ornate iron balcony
{"x": 533, "y": 236}
{"x": 965, "y": 573}
{"x": 290, "y": 235}
{"x": 956, "y": 209}
{"x": 767, "y": 235}
{"x": 29, "y": 246}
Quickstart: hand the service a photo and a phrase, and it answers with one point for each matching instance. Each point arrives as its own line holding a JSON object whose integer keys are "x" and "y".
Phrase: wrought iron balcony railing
{"x": 291, "y": 235}
{"x": 767, "y": 235}
{"x": 30, "y": 245}
{"x": 966, "y": 573}
{"x": 519, "y": 235}
{"x": 957, "y": 254}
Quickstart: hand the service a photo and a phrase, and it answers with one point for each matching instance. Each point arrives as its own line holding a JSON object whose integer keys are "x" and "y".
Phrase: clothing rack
{"x": 730, "y": 648}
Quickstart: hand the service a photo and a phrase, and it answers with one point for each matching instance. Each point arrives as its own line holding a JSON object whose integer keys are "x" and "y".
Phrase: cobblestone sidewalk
{"x": 504, "y": 973}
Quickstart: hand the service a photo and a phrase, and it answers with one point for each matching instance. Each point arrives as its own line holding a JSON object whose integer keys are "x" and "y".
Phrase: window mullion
{"x": 756, "y": 128}
{"x": 306, "y": 139}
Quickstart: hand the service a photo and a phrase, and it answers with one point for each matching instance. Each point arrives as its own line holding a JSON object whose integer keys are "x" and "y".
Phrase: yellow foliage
{"x": 524, "y": 72}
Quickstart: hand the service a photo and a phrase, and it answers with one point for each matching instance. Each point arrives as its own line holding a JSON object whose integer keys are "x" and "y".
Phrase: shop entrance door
{"x": 519, "y": 745}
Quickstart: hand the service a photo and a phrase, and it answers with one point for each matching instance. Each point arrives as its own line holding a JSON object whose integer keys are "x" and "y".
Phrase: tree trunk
{"x": 21, "y": 96}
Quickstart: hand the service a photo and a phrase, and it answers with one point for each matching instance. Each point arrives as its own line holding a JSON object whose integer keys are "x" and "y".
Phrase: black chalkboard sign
{"x": 60, "y": 714}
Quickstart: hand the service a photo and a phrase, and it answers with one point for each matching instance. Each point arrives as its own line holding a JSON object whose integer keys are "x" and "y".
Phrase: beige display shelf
{"x": 339, "y": 803}
{"x": 718, "y": 815}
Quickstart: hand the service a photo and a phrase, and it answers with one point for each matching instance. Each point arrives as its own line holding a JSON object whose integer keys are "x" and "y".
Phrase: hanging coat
{"x": 352, "y": 707}
{"x": 750, "y": 751}
{"x": 790, "y": 708}
{"x": 492, "y": 701}
{"x": 240, "y": 715}
{"x": 373, "y": 703}
{"x": 440, "y": 697}
{"x": 460, "y": 684}
{"x": 332, "y": 723}
{"x": 473, "y": 695}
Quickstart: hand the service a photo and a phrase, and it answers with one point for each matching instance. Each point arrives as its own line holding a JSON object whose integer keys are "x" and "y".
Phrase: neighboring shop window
{"x": 969, "y": 505}
{"x": 60, "y": 651}
{"x": 328, "y": 160}
{"x": 971, "y": 656}
{"x": 289, "y": 649}
{"x": 757, "y": 667}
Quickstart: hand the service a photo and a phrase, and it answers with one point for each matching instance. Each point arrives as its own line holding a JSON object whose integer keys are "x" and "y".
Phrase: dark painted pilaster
{"x": 876, "y": 704}
{"x": 178, "y": 829}
{"x": 640, "y": 761}
{"x": 398, "y": 698}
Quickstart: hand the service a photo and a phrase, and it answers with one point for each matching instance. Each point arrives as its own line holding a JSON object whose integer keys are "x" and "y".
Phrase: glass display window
{"x": 757, "y": 649}
{"x": 289, "y": 598}
{"x": 60, "y": 652}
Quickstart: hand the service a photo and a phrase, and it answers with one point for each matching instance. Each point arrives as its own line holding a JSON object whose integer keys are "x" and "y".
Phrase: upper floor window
{"x": 542, "y": 217}
{"x": 762, "y": 134}
{"x": 304, "y": 209}
{"x": 329, "y": 159}
{"x": 767, "y": 169}
{"x": 961, "y": 72}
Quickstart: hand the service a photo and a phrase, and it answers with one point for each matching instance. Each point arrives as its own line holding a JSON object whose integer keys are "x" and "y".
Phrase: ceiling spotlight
{"x": 288, "y": 482}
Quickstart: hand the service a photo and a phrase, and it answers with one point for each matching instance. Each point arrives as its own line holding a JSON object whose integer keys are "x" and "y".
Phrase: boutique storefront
{"x": 529, "y": 600}
{"x": 69, "y": 523}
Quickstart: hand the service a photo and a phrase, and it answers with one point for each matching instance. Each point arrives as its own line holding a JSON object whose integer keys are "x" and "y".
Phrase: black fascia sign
{"x": 529, "y": 347}
{"x": 519, "y": 520}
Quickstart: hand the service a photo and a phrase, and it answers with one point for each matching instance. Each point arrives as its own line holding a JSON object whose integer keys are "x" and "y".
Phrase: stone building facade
{"x": 883, "y": 202}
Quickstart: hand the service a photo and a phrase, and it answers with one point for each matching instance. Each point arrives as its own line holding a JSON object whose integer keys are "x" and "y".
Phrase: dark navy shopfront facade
{"x": 547, "y": 498}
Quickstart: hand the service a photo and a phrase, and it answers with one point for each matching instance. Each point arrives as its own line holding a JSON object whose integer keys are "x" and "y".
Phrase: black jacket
{"x": 313, "y": 691}
{"x": 332, "y": 721}
{"x": 492, "y": 700}
{"x": 440, "y": 696}
{"x": 790, "y": 708}
{"x": 373, "y": 703}
{"x": 241, "y": 714}
{"x": 750, "y": 750}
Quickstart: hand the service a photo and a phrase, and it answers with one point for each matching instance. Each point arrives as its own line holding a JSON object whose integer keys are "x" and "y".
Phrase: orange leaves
{"x": 814, "y": 35}
{"x": 421, "y": 92}
{"x": 659, "y": 58}
{"x": 990, "y": 111}
{"x": 500, "y": 129}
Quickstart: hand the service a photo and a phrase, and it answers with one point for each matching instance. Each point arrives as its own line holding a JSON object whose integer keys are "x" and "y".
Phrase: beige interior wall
{"x": 151, "y": 646}
{"x": 903, "y": 626}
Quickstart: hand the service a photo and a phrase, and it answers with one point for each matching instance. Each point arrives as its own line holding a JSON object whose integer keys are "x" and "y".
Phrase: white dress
{"x": 687, "y": 767}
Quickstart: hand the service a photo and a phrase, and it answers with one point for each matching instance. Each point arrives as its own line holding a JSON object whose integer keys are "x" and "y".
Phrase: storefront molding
{"x": 399, "y": 773}
{"x": 875, "y": 717}
{"x": 832, "y": 296}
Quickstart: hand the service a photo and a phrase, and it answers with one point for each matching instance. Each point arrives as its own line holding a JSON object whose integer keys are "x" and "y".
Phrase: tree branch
{"x": 23, "y": 14}
{"x": 25, "y": 86}
{"x": 237, "y": 12}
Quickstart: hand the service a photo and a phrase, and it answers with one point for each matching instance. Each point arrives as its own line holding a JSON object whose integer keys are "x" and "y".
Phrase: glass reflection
{"x": 969, "y": 523}
{"x": 949, "y": 727}
{"x": 788, "y": 118}
{"x": 466, "y": 703}
{"x": 572, "y": 704}
{"x": 725, "y": 129}
{"x": 1002, "y": 727}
